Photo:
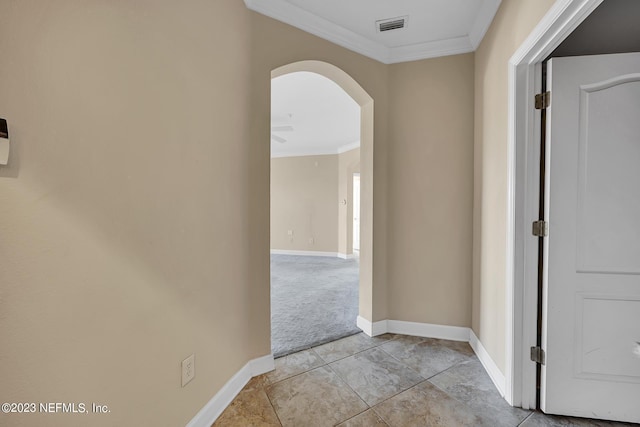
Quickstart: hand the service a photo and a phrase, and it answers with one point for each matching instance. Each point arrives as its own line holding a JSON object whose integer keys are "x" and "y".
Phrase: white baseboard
{"x": 453, "y": 333}
{"x": 218, "y": 403}
{"x": 364, "y": 325}
{"x": 346, "y": 256}
{"x": 371, "y": 329}
{"x": 489, "y": 365}
{"x": 304, "y": 253}
{"x": 262, "y": 365}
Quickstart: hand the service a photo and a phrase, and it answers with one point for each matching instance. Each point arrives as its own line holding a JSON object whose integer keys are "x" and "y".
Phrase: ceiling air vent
{"x": 392, "y": 24}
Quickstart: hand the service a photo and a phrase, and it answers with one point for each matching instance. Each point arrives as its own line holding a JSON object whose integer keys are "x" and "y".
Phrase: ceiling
{"x": 323, "y": 117}
{"x": 312, "y": 113}
{"x": 433, "y": 27}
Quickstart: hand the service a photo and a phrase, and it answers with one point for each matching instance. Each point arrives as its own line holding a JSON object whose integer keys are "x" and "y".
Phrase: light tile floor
{"x": 391, "y": 380}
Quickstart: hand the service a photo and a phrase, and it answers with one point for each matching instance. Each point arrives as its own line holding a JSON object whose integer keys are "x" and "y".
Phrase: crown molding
{"x": 290, "y": 14}
{"x": 348, "y": 147}
{"x": 416, "y": 52}
{"x": 303, "y": 152}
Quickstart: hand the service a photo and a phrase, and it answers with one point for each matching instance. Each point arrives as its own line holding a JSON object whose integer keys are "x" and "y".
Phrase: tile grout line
{"x": 355, "y": 392}
{"x": 303, "y": 372}
{"x": 526, "y": 418}
{"x": 357, "y": 352}
{"x": 299, "y": 373}
{"x": 316, "y": 345}
{"x": 392, "y": 396}
{"x": 417, "y": 384}
{"x": 272, "y": 407}
{"x": 380, "y": 416}
{"x": 403, "y": 363}
{"x": 327, "y": 364}
{"x": 447, "y": 369}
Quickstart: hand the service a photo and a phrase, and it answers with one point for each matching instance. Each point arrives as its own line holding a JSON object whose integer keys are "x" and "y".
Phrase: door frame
{"x": 353, "y": 202}
{"x": 523, "y": 191}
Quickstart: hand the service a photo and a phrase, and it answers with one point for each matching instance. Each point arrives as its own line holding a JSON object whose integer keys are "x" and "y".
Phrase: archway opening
{"x": 308, "y": 221}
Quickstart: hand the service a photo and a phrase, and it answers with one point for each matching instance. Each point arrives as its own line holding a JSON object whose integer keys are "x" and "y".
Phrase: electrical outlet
{"x": 188, "y": 369}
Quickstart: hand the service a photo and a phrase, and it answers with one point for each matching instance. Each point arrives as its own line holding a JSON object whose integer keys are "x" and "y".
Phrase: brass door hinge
{"x": 540, "y": 228}
{"x": 543, "y": 100}
{"x": 537, "y": 355}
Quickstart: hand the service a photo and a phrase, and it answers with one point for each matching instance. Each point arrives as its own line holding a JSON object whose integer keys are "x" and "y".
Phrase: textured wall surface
{"x": 431, "y": 190}
{"x": 124, "y": 210}
{"x": 304, "y": 200}
{"x": 513, "y": 23}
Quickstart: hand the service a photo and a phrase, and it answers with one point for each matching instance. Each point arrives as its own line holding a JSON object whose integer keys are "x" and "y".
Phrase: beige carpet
{"x": 314, "y": 300}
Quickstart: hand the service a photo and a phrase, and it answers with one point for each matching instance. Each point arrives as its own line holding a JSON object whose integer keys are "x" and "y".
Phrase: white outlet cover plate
{"x": 188, "y": 369}
{"x": 4, "y": 151}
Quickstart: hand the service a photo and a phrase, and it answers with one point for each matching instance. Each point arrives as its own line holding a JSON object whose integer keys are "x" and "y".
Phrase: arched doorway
{"x": 364, "y": 100}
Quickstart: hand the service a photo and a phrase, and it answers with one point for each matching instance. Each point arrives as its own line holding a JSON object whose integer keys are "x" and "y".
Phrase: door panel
{"x": 609, "y": 326}
{"x": 591, "y": 296}
{"x": 609, "y": 194}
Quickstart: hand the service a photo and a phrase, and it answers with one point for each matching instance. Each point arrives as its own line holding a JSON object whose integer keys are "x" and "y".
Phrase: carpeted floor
{"x": 314, "y": 300}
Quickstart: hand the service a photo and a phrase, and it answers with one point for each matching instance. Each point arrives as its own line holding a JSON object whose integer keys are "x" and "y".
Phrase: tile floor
{"x": 391, "y": 380}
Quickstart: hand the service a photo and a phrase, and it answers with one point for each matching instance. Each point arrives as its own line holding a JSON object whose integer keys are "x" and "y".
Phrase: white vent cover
{"x": 392, "y": 24}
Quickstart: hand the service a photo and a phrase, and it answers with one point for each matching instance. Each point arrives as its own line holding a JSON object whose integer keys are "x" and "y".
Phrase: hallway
{"x": 391, "y": 380}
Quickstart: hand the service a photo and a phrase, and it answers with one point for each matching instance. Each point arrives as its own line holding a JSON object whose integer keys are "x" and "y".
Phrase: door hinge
{"x": 543, "y": 100}
{"x": 537, "y": 355}
{"x": 540, "y": 228}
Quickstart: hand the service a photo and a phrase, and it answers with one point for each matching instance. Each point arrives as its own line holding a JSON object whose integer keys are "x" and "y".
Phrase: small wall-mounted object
{"x": 4, "y": 142}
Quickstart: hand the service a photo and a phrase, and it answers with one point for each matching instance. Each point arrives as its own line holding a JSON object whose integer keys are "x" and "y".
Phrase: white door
{"x": 356, "y": 212}
{"x": 591, "y": 304}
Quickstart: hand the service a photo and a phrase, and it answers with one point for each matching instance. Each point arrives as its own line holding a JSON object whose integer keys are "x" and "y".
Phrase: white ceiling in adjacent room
{"x": 431, "y": 27}
{"x": 310, "y": 115}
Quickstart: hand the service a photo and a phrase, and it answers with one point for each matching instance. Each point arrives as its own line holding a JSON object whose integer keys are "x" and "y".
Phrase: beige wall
{"x": 431, "y": 190}
{"x": 304, "y": 199}
{"x": 124, "y": 212}
{"x": 513, "y": 23}
{"x": 348, "y": 164}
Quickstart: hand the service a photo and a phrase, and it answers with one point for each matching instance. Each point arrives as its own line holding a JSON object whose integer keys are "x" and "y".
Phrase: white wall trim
{"x": 347, "y": 256}
{"x": 348, "y": 147}
{"x": 291, "y": 14}
{"x": 371, "y": 329}
{"x": 489, "y": 365}
{"x": 218, "y": 403}
{"x": 304, "y": 253}
{"x": 428, "y": 330}
{"x": 522, "y": 193}
{"x": 262, "y": 365}
{"x": 453, "y": 333}
{"x": 288, "y": 13}
{"x": 280, "y": 152}
{"x": 432, "y": 49}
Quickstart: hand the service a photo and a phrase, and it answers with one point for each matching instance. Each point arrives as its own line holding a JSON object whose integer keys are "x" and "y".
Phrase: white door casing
{"x": 591, "y": 303}
{"x": 356, "y": 212}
